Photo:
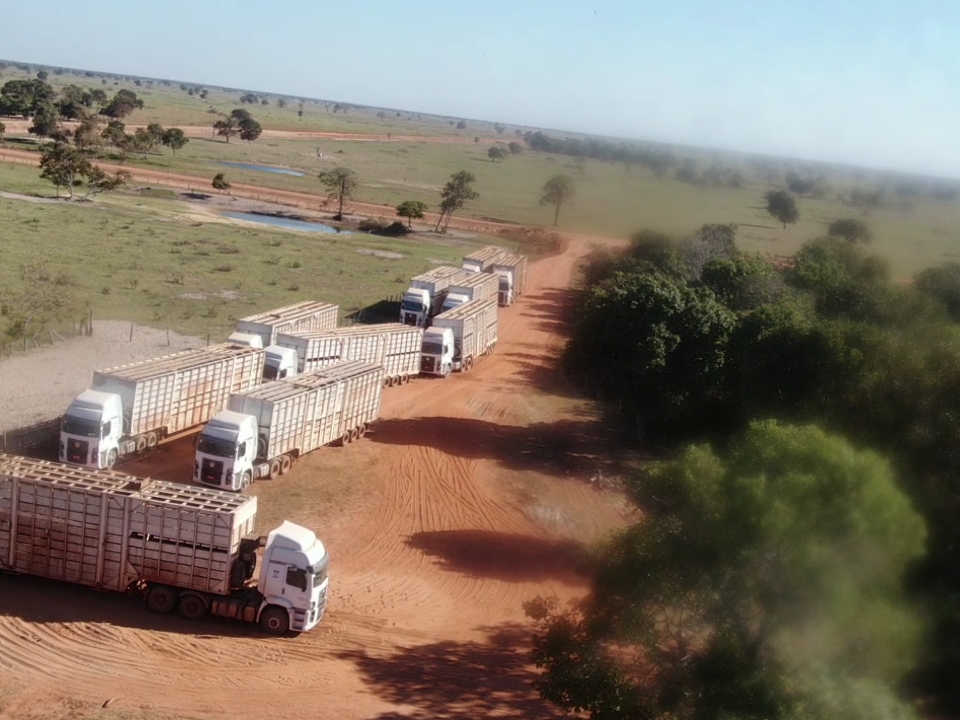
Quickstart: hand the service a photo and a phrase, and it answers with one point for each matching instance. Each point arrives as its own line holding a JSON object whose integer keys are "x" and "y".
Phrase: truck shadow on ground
{"x": 42, "y": 601}
{"x": 573, "y": 445}
{"x": 447, "y": 680}
{"x": 503, "y": 556}
{"x": 548, "y": 310}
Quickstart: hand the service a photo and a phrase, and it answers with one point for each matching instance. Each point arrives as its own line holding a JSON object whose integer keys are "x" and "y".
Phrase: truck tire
{"x": 354, "y": 435}
{"x": 245, "y": 480}
{"x": 274, "y": 468}
{"x": 152, "y": 439}
{"x": 111, "y": 459}
{"x": 285, "y": 464}
{"x": 345, "y": 440}
{"x": 404, "y": 379}
{"x": 141, "y": 443}
{"x": 362, "y": 430}
{"x": 468, "y": 364}
{"x": 192, "y": 607}
{"x": 275, "y": 620}
{"x": 161, "y": 599}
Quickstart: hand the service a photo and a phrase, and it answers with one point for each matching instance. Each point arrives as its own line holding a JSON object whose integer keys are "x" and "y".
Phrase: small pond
{"x": 263, "y": 168}
{"x": 285, "y": 222}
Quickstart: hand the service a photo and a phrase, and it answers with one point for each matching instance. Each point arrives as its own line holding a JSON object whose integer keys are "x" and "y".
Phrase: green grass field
{"x": 138, "y": 259}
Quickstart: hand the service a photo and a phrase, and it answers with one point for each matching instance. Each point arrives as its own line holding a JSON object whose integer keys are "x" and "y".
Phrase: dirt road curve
{"x": 466, "y": 500}
{"x": 305, "y": 200}
{"x": 20, "y": 127}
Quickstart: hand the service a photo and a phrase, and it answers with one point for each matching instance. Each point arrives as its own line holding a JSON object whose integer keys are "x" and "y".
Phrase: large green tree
{"x": 558, "y": 191}
{"x": 122, "y": 104}
{"x": 764, "y": 581}
{"x": 782, "y": 206}
{"x": 174, "y": 138}
{"x": 342, "y": 182}
{"x": 455, "y": 194}
{"x": 411, "y": 210}
{"x": 226, "y": 127}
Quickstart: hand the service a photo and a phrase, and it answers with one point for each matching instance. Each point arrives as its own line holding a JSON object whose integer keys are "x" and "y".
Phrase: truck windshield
{"x": 414, "y": 305}
{"x": 319, "y": 571}
{"x": 432, "y": 348}
{"x": 80, "y": 426}
{"x": 217, "y": 447}
{"x": 504, "y": 283}
{"x": 271, "y": 373}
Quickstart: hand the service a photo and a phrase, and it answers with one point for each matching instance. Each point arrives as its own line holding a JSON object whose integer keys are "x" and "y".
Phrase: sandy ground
{"x": 467, "y": 499}
{"x": 39, "y": 384}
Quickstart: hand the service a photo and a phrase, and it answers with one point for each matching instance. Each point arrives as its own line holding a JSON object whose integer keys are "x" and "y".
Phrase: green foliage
{"x": 46, "y": 123}
{"x": 220, "y": 182}
{"x": 497, "y": 153}
{"x": 743, "y": 282}
{"x": 782, "y": 206}
{"x": 122, "y": 104}
{"x": 455, "y": 194}
{"x": 342, "y": 182}
{"x": 515, "y": 147}
{"x": 226, "y": 127}
{"x": 174, "y": 138}
{"x": 63, "y": 165}
{"x": 250, "y": 129}
{"x": 25, "y": 97}
{"x": 556, "y": 191}
{"x": 412, "y": 210}
{"x": 3, "y": 129}
{"x": 942, "y": 283}
{"x": 763, "y": 582}
{"x": 850, "y": 230}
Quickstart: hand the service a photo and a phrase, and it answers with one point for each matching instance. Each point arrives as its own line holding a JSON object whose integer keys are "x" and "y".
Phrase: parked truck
{"x": 458, "y": 337}
{"x": 268, "y": 428}
{"x": 512, "y": 271}
{"x": 185, "y": 547}
{"x": 395, "y": 347}
{"x": 482, "y": 260}
{"x": 299, "y": 317}
{"x": 130, "y": 408}
{"x": 424, "y": 298}
{"x": 476, "y": 286}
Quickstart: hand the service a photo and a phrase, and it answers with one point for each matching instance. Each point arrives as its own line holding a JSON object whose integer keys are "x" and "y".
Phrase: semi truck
{"x": 130, "y": 408}
{"x": 180, "y": 546}
{"x": 512, "y": 271}
{"x": 458, "y": 337}
{"x": 424, "y": 298}
{"x": 482, "y": 260}
{"x": 301, "y": 316}
{"x": 265, "y": 430}
{"x": 476, "y": 286}
{"x": 395, "y": 347}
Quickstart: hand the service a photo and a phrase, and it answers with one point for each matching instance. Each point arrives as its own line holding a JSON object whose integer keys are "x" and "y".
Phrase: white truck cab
{"x": 227, "y": 451}
{"x": 437, "y": 356}
{"x": 293, "y": 577}
{"x": 454, "y": 299}
{"x": 91, "y": 430}
{"x": 279, "y": 362}
{"x": 415, "y": 307}
{"x": 506, "y": 286}
{"x": 247, "y": 339}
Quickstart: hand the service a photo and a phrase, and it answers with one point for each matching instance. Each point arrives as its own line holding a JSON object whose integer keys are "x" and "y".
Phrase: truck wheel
{"x": 275, "y": 620}
{"x": 388, "y": 382}
{"x": 362, "y": 430}
{"x": 161, "y": 599}
{"x": 274, "y": 468}
{"x": 345, "y": 440}
{"x": 152, "y": 439}
{"x": 354, "y": 435}
{"x": 468, "y": 364}
{"x": 404, "y": 379}
{"x": 245, "y": 480}
{"x": 192, "y": 607}
{"x": 285, "y": 464}
{"x": 111, "y": 459}
{"x": 141, "y": 443}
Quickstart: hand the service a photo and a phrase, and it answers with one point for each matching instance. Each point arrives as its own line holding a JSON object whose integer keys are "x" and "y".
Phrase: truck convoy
{"x": 458, "y": 337}
{"x": 183, "y": 547}
{"x": 424, "y": 298}
{"x": 268, "y": 428}
{"x": 512, "y": 271}
{"x": 476, "y": 286}
{"x": 393, "y": 346}
{"x": 299, "y": 317}
{"x": 130, "y": 408}
{"x": 482, "y": 260}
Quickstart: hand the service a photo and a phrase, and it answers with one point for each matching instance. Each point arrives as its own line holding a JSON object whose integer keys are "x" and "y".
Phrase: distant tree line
{"x": 660, "y": 161}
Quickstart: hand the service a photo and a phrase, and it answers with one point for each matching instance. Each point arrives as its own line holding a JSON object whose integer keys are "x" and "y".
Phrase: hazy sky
{"x": 862, "y": 81}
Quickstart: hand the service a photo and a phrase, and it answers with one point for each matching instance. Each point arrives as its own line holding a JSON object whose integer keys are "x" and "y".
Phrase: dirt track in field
{"x": 467, "y": 499}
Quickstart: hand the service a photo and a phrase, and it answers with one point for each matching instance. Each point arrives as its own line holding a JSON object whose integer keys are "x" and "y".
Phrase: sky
{"x": 865, "y": 82}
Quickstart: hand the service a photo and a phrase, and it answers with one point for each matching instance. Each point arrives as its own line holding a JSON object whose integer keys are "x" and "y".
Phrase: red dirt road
{"x": 467, "y": 499}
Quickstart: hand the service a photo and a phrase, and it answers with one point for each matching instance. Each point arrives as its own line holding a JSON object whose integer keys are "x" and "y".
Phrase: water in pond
{"x": 284, "y": 222}
{"x": 263, "y": 168}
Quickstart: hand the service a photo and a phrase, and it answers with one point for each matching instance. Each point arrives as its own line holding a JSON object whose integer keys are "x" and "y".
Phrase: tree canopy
{"x": 342, "y": 182}
{"x": 759, "y": 575}
{"x": 122, "y": 104}
{"x": 455, "y": 194}
{"x": 851, "y": 230}
{"x": 174, "y": 138}
{"x": 557, "y": 191}
{"x": 412, "y": 210}
{"x": 782, "y": 206}
{"x": 226, "y": 127}
{"x": 497, "y": 153}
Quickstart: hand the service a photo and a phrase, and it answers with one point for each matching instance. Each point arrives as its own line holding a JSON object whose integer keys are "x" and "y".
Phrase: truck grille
{"x": 427, "y": 364}
{"x": 211, "y": 472}
{"x": 77, "y": 451}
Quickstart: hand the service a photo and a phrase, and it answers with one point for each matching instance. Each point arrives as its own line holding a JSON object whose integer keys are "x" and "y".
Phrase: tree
{"x": 220, "y": 183}
{"x": 249, "y": 98}
{"x": 99, "y": 181}
{"x": 943, "y": 284}
{"x": 499, "y": 128}
{"x": 63, "y": 165}
{"x": 226, "y": 127}
{"x": 556, "y": 191}
{"x": 762, "y": 582}
{"x": 782, "y": 206}
{"x": 155, "y": 131}
{"x": 851, "y": 230}
{"x": 174, "y": 138}
{"x": 282, "y": 103}
{"x": 462, "y": 125}
{"x": 497, "y": 153}
{"x": 342, "y": 182}
{"x": 240, "y": 114}
{"x": 250, "y": 130}
{"x": 122, "y": 104}
{"x": 87, "y": 135}
{"x": 515, "y": 147}
{"x": 25, "y": 97}
{"x": 3, "y": 129}
{"x": 411, "y": 210}
{"x": 114, "y": 133}
{"x": 264, "y": 101}
{"x": 455, "y": 194}
{"x": 46, "y": 122}
{"x": 42, "y": 75}
{"x": 143, "y": 142}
